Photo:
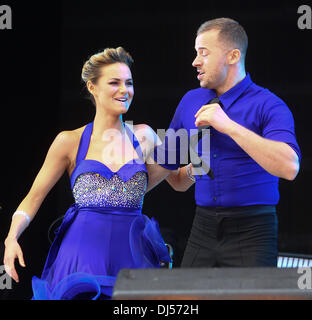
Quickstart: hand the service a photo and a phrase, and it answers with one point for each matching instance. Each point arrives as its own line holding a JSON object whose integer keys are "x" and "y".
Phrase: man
{"x": 252, "y": 145}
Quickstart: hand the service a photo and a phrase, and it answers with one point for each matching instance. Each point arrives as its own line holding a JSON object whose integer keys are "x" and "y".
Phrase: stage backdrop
{"x": 42, "y": 94}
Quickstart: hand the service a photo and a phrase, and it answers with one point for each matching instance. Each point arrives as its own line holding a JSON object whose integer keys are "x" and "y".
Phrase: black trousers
{"x": 233, "y": 237}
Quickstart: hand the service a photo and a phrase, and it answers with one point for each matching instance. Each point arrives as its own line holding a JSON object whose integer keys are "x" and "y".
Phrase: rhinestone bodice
{"x": 95, "y": 185}
{"x": 92, "y": 189}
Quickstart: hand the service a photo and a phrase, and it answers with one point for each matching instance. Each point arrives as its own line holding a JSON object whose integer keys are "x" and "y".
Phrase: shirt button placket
{"x": 215, "y": 191}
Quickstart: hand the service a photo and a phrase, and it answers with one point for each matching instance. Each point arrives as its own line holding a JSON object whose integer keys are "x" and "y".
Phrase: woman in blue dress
{"x": 104, "y": 230}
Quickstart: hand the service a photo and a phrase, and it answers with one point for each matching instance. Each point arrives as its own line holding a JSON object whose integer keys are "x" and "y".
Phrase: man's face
{"x": 210, "y": 61}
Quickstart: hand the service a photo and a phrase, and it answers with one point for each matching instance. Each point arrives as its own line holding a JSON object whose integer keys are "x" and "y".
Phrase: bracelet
{"x": 189, "y": 174}
{"x": 22, "y": 213}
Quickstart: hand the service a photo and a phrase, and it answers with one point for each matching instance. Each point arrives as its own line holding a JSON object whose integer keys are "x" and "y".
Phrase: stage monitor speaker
{"x": 209, "y": 284}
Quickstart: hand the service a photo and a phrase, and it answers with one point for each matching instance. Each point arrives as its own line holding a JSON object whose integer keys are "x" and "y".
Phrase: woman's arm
{"x": 178, "y": 179}
{"x": 156, "y": 174}
{"x": 55, "y": 164}
{"x": 181, "y": 179}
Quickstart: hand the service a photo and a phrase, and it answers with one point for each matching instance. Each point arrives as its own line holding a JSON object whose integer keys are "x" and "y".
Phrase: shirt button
{"x": 214, "y": 155}
{"x": 214, "y": 198}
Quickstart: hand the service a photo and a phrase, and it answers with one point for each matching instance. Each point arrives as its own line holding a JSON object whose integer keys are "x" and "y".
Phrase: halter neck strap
{"x": 135, "y": 141}
{"x": 85, "y": 142}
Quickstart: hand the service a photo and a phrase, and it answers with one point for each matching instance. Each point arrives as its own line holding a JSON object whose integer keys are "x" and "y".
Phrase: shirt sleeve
{"x": 278, "y": 124}
{"x": 168, "y": 153}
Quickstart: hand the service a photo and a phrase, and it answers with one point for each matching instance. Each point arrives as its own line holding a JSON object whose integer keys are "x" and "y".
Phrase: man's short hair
{"x": 230, "y": 32}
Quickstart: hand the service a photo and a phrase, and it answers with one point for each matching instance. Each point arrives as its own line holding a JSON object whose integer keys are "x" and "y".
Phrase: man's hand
{"x": 213, "y": 115}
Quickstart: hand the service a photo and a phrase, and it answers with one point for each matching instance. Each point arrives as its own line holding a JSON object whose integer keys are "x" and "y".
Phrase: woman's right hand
{"x": 12, "y": 251}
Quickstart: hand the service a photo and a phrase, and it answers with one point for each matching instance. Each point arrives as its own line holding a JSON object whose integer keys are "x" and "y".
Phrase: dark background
{"x": 42, "y": 94}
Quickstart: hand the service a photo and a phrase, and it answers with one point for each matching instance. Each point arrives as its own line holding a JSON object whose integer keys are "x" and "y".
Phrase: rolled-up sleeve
{"x": 278, "y": 124}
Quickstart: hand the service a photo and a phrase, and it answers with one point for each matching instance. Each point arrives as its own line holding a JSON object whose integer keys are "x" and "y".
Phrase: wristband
{"x": 22, "y": 213}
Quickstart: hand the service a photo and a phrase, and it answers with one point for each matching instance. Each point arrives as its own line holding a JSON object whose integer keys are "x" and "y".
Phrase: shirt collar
{"x": 230, "y": 96}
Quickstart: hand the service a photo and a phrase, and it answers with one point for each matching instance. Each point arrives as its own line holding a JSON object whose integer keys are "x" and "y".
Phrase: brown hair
{"x": 91, "y": 70}
{"x": 230, "y": 32}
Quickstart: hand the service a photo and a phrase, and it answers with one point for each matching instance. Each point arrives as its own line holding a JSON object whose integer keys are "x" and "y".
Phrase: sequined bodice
{"x": 92, "y": 189}
{"x": 94, "y": 184}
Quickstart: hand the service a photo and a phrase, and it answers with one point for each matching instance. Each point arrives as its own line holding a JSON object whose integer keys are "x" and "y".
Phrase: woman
{"x": 104, "y": 230}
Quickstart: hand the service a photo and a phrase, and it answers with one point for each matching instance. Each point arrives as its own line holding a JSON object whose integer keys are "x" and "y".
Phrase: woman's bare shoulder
{"x": 147, "y": 137}
{"x": 143, "y": 129}
{"x": 68, "y": 140}
{"x": 70, "y": 136}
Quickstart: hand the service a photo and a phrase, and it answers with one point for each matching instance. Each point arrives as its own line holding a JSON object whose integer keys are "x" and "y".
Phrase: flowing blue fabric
{"x": 102, "y": 232}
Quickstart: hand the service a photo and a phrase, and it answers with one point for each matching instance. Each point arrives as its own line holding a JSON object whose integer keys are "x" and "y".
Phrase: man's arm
{"x": 278, "y": 158}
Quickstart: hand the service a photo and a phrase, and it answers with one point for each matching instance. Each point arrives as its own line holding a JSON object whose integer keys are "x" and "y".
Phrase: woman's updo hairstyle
{"x": 91, "y": 70}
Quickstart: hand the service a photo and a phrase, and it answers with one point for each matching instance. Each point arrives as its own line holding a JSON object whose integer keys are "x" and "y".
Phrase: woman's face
{"x": 114, "y": 88}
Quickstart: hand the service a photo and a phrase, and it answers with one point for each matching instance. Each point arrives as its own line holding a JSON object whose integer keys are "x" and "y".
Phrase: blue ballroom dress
{"x": 102, "y": 232}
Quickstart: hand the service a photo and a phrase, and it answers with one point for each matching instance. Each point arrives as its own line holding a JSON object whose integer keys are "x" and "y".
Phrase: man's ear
{"x": 233, "y": 56}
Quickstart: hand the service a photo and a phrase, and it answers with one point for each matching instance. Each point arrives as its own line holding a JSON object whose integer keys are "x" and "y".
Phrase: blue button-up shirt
{"x": 239, "y": 180}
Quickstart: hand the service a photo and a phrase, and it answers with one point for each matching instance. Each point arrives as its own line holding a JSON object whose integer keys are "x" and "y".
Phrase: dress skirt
{"x": 91, "y": 246}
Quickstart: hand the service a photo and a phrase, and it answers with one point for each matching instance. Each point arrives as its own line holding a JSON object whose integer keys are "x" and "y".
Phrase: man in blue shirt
{"x": 252, "y": 145}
